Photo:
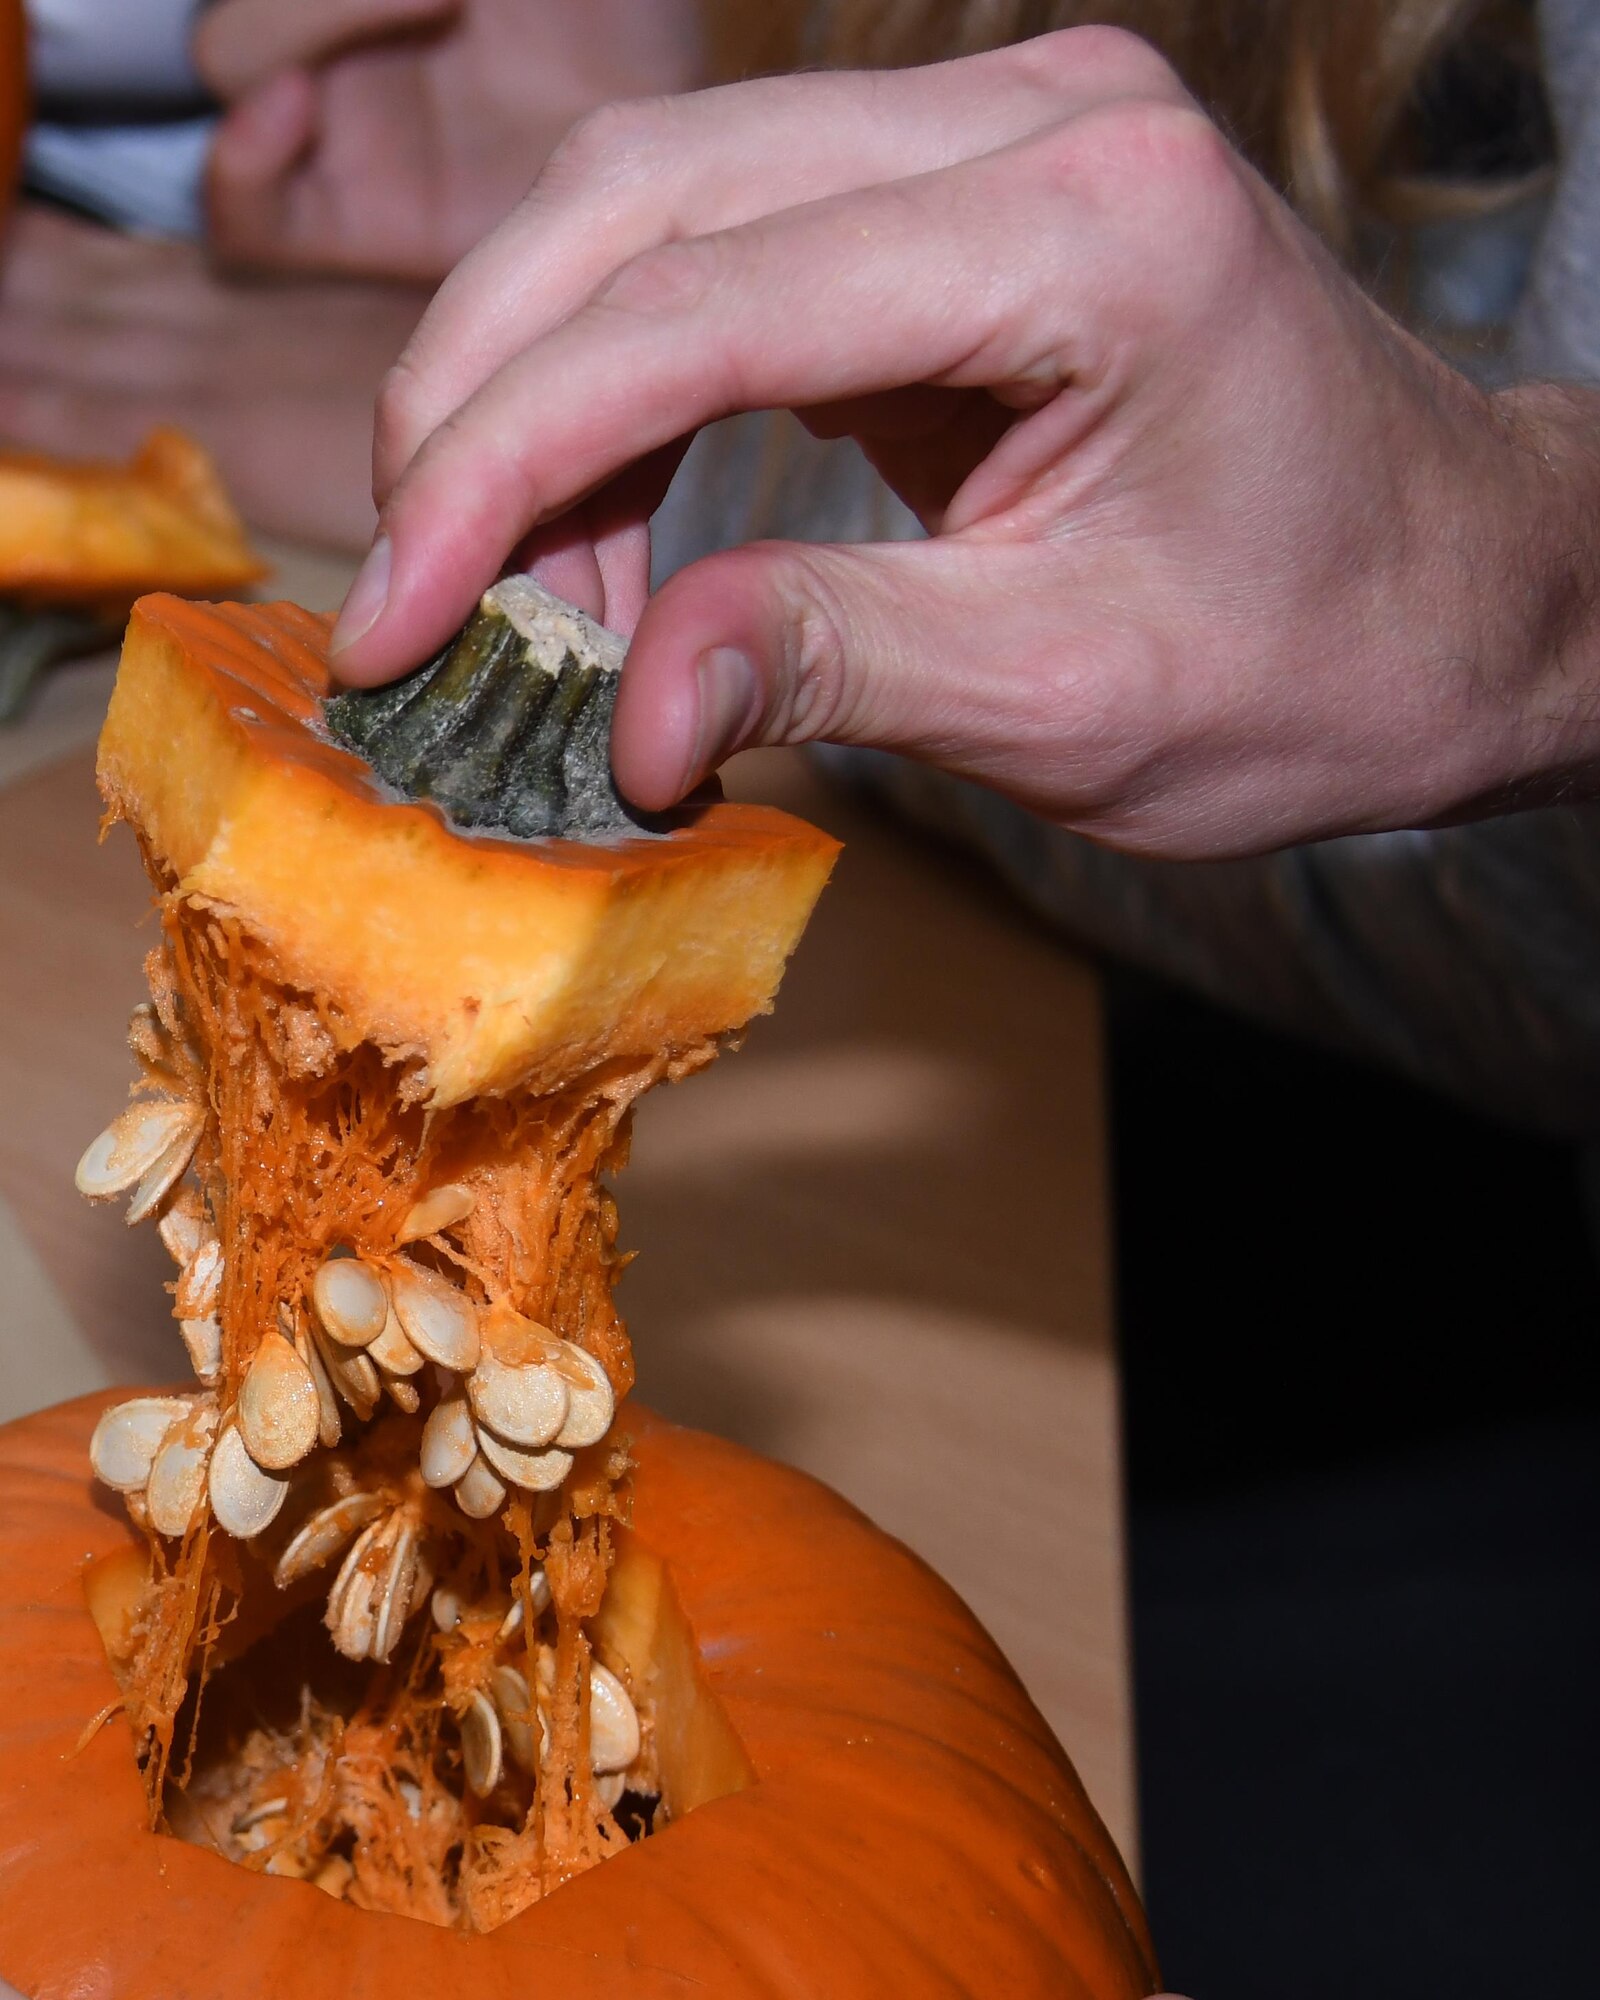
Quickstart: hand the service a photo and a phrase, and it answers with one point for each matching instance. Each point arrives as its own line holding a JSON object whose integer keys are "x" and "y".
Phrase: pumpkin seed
{"x": 128, "y": 1436}
{"x": 351, "y": 1301}
{"x": 513, "y": 1703}
{"x": 479, "y": 1491}
{"x": 176, "y": 1488}
{"x": 397, "y": 1593}
{"x": 393, "y": 1353}
{"x": 244, "y": 1498}
{"x": 524, "y": 1405}
{"x": 352, "y": 1375}
{"x": 589, "y": 1408}
{"x": 539, "y": 1591}
{"x": 449, "y": 1442}
{"x": 351, "y": 1617}
{"x": 329, "y": 1427}
{"x": 200, "y": 1285}
{"x": 202, "y": 1338}
{"x": 534, "y": 1471}
{"x": 440, "y": 1321}
{"x": 440, "y": 1208}
{"x": 149, "y": 1044}
{"x": 139, "y": 1142}
{"x": 323, "y": 1534}
{"x": 480, "y": 1745}
{"x": 279, "y": 1412}
{"x": 613, "y": 1722}
{"x": 184, "y": 1227}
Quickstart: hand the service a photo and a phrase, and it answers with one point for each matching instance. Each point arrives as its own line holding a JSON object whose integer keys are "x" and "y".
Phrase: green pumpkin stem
{"x": 508, "y": 729}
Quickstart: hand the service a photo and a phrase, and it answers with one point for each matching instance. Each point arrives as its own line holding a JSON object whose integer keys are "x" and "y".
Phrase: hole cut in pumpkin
{"x": 299, "y": 1762}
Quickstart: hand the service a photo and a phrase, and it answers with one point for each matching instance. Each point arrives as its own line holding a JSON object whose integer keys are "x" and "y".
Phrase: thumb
{"x": 916, "y": 647}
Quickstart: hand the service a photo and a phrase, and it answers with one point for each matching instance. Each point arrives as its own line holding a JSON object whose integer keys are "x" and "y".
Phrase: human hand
{"x": 103, "y": 336}
{"x": 384, "y": 137}
{"x": 1220, "y": 557}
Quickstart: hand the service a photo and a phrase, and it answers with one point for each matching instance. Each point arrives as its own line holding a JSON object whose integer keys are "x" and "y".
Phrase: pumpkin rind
{"x": 914, "y": 1830}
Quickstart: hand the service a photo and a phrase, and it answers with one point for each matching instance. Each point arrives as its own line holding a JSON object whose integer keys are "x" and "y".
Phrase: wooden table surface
{"x": 873, "y": 1242}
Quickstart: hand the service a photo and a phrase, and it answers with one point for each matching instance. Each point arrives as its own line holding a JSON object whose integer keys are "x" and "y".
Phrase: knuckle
{"x": 1099, "y": 57}
{"x": 822, "y": 682}
{"x": 667, "y": 281}
{"x": 1140, "y": 147}
{"x": 1182, "y": 149}
{"x": 1164, "y": 178}
{"x": 399, "y": 419}
{"x": 619, "y": 140}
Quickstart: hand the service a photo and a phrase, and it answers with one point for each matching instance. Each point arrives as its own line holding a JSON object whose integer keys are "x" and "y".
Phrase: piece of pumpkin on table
{"x": 80, "y": 541}
{"x": 13, "y": 95}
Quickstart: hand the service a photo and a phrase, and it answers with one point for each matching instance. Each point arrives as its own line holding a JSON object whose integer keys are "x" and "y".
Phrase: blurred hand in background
{"x": 104, "y": 335}
{"x": 365, "y": 145}
{"x": 384, "y": 137}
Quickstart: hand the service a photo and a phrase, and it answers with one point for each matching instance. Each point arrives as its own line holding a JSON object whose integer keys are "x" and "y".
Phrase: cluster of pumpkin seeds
{"x": 513, "y": 1402}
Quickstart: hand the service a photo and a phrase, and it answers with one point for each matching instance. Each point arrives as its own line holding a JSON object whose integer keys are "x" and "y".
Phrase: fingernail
{"x": 366, "y": 599}
{"x": 730, "y": 707}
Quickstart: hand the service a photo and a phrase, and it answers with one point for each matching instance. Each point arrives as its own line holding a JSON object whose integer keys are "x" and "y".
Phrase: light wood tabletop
{"x": 873, "y": 1242}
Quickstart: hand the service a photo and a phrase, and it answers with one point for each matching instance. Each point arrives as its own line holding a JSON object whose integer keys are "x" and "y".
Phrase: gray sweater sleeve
{"x": 1556, "y": 333}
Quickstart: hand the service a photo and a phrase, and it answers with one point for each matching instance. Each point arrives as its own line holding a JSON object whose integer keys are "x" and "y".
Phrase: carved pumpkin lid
{"x": 494, "y": 963}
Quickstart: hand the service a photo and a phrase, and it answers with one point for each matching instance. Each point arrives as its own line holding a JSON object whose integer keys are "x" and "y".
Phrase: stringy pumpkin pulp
{"x": 453, "y": 1461}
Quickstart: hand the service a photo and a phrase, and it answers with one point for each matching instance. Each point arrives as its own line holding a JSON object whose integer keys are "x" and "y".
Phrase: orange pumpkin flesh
{"x": 487, "y": 965}
{"x": 358, "y": 1009}
{"x": 913, "y": 1828}
{"x": 94, "y": 536}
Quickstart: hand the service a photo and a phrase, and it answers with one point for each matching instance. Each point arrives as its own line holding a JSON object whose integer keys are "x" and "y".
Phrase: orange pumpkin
{"x": 391, "y": 1057}
{"x": 909, "y": 1827}
{"x": 13, "y": 94}
{"x": 79, "y": 542}
{"x": 97, "y": 536}
{"x": 495, "y": 965}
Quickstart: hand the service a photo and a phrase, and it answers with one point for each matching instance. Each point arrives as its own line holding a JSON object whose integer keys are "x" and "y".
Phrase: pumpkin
{"x": 411, "y": 1613}
{"x": 485, "y": 965}
{"x": 79, "y": 542}
{"x": 13, "y": 94}
{"x": 96, "y": 536}
{"x": 869, "y": 1805}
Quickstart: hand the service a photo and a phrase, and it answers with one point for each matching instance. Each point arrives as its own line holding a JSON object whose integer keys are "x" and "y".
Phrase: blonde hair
{"x": 1320, "y": 94}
